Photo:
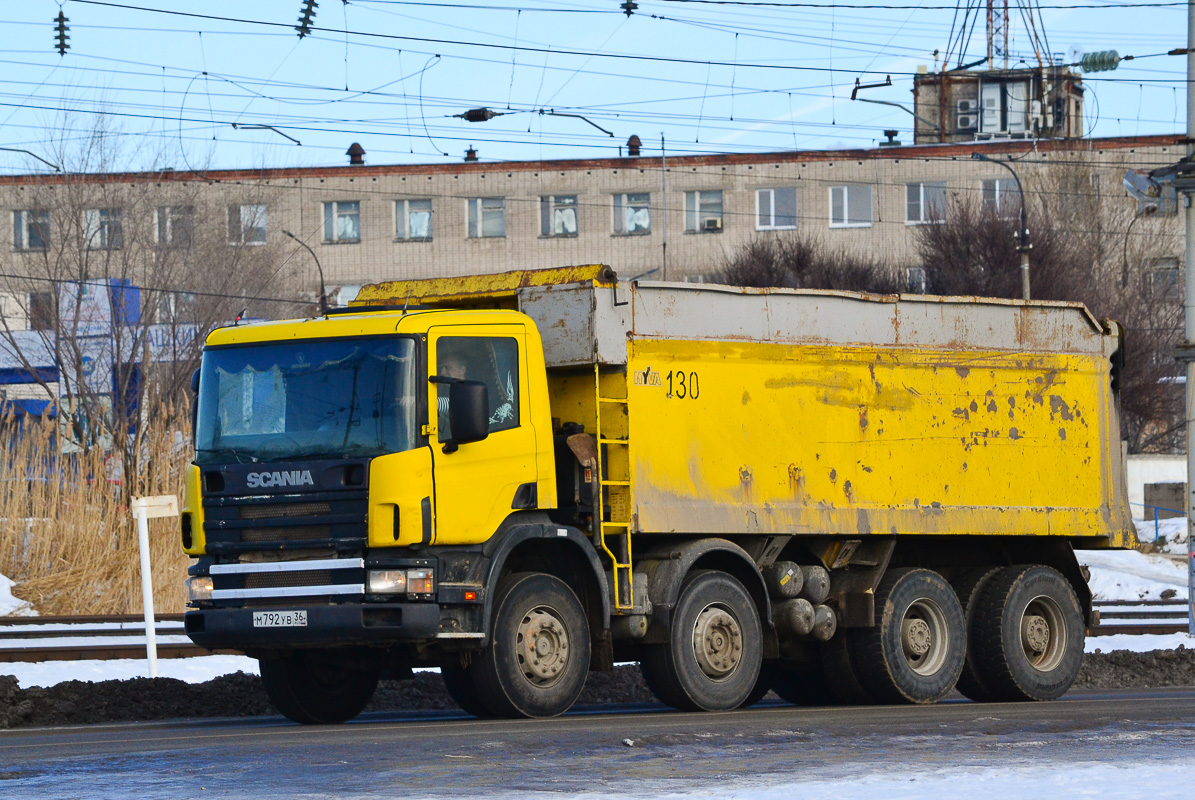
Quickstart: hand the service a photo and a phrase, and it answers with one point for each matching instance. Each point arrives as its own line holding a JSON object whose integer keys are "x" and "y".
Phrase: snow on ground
{"x": 10, "y": 604}
{"x": 1132, "y": 575}
{"x": 191, "y": 670}
{"x": 1169, "y": 535}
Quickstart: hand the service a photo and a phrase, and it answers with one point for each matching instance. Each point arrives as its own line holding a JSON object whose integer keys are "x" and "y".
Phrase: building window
{"x": 1161, "y": 276}
{"x": 487, "y": 217}
{"x": 42, "y": 312}
{"x": 632, "y": 214}
{"x": 413, "y": 219}
{"x": 175, "y": 225}
{"x": 916, "y": 280}
{"x": 926, "y": 202}
{"x": 850, "y": 206}
{"x": 179, "y": 308}
{"x": 558, "y": 215}
{"x": 342, "y": 222}
{"x": 776, "y": 209}
{"x": 247, "y": 224}
{"x": 30, "y": 230}
{"x": 703, "y": 211}
{"x": 102, "y": 229}
{"x": 1001, "y": 196}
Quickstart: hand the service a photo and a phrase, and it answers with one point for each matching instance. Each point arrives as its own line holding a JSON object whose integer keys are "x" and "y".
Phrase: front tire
{"x": 463, "y": 691}
{"x": 538, "y": 657}
{"x": 714, "y": 652}
{"x": 915, "y": 651}
{"x": 316, "y": 692}
{"x": 1029, "y": 634}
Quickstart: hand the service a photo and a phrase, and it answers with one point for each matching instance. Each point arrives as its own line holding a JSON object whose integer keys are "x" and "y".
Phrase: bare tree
{"x": 120, "y": 277}
{"x": 796, "y": 261}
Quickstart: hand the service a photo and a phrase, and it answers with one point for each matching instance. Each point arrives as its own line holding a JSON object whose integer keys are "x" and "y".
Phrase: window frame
{"x": 241, "y": 228}
{"x": 440, "y": 390}
{"x": 772, "y": 226}
{"x": 24, "y": 223}
{"x": 921, "y": 202}
{"x": 168, "y": 220}
{"x": 549, "y": 205}
{"x": 696, "y": 214}
{"x": 402, "y": 216}
{"x": 994, "y": 191}
{"x": 475, "y": 217}
{"x": 332, "y": 214}
{"x": 846, "y": 205}
{"x": 107, "y": 225}
{"x": 621, "y": 203}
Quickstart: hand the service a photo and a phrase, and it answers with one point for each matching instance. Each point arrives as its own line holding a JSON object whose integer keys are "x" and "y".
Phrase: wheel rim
{"x": 542, "y": 646}
{"x": 924, "y": 639}
{"x": 717, "y": 642}
{"x": 1043, "y": 633}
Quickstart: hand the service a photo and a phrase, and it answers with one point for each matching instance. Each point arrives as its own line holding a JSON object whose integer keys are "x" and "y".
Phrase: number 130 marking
{"x": 682, "y": 385}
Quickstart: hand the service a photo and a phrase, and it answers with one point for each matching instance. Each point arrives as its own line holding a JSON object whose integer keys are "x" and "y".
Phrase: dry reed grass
{"x": 67, "y": 537}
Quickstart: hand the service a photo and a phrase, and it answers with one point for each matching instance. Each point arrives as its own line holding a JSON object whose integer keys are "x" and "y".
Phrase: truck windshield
{"x": 346, "y": 398}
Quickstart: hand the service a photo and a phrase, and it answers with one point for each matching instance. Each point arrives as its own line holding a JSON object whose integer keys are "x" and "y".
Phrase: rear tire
{"x": 804, "y": 684}
{"x": 763, "y": 684}
{"x": 538, "y": 657}
{"x": 463, "y": 691}
{"x": 1029, "y": 634}
{"x": 712, "y": 659}
{"x": 969, "y": 586}
{"x": 315, "y": 692}
{"x": 915, "y": 651}
{"x": 839, "y": 674}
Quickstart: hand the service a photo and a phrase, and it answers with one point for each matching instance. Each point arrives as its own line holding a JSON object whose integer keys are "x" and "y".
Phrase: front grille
{"x": 284, "y": 510}
{"x": 274, "y": 580}
{"x": 301, "y": 534}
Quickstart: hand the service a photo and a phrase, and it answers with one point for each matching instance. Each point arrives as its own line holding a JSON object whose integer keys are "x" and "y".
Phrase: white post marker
{"x": 145, "y": 508}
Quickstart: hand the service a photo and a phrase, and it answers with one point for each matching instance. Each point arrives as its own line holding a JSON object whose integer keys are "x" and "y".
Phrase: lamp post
{"x": 323, "y": 292}
{"x": 1023, "y": 244}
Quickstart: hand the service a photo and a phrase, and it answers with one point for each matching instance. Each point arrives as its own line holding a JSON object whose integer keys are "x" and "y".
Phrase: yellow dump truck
{"x": 518, "y": 478}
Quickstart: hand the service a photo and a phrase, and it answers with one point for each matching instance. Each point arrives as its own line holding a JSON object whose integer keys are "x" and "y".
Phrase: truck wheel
{"x": 715, "y": 647}
{"x": 916, "y": 649}
{"x": 463, "y": 691}
{"x": 763, "y": 684}
{"x": 538, "y": 657}
{"x": 969, "y": 586}
{"x": 315, "y": 692}
{"x": 1029, "y": 634}
{"x": 838, "y": 679}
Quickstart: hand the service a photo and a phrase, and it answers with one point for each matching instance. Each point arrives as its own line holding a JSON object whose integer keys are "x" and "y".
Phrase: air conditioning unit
{"x": 712, "y": 224}
{"x": 967, "y": 106}
{"x": 967, "y": 122}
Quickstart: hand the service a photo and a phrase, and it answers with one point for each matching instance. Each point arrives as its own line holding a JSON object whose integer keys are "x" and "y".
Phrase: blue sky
{"x": 708, "y": 76}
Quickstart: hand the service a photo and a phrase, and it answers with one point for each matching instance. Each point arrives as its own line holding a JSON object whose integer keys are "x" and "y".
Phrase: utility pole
{"x": 1189, "y": 323}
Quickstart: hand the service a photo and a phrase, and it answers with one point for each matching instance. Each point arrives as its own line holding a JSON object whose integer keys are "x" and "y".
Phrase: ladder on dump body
{"x": 613, "y": 481}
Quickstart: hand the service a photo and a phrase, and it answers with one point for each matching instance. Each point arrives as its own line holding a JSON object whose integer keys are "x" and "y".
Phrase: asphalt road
{"x": 641, "y": 750}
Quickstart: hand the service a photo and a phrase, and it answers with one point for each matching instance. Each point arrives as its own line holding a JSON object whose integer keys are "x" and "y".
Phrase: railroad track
{"x": 1140, "y": 617}
{"x": 76, "y": 638}
{"x": 93, "y": 637}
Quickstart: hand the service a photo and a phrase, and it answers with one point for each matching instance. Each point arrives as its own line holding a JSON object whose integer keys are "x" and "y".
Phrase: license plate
{"x": 279, "y": 619}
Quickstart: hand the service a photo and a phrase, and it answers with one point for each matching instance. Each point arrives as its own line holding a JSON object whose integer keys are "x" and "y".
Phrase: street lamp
{"x": 1023, "y": 244}
{"x": 323, "y": 292}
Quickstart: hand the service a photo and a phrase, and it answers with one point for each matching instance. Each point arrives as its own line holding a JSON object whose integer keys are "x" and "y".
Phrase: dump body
{"x": 778, "y": 411}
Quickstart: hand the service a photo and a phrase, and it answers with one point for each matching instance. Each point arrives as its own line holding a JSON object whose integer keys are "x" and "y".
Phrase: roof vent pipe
{"x": 633, "y": 145}
{"x": 356, "y": 154}
{"x": 470, "y": 154}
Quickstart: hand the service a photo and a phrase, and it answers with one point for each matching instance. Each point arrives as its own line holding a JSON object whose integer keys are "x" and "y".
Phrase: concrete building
{"x": 679, "y": 219}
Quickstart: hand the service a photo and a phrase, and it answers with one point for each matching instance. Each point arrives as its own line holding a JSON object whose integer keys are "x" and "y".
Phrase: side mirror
{"x": 468, "y": 413}
{"x": 195, "y": 382}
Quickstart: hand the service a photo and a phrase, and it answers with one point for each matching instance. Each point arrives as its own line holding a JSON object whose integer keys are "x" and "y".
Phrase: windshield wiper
{"x": 229, "y": 451}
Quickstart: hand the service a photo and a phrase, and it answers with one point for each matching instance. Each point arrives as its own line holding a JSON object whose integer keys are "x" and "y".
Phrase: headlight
{"x": 387, "y": 581}
{"x": 199, "y": 589}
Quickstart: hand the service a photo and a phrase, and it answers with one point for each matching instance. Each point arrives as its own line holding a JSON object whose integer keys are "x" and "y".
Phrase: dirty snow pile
{"x": 10, "y": 604}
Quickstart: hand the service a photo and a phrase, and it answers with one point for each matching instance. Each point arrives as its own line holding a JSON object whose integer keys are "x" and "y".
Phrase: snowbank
{"x": 1131, "y": 575}
{"x": 10, "y": 604}
{"x": 1168, "y": 535}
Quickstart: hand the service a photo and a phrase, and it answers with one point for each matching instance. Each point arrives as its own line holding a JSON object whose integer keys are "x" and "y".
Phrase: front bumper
{"x": 327, "y": 626}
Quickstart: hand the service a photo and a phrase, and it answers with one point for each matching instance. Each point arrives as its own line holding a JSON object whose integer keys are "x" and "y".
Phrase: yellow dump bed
{"x": 735, "y": 410}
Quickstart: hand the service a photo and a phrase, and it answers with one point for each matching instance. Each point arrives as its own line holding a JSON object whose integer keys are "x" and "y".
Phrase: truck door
{"x": 476, "y": 486}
